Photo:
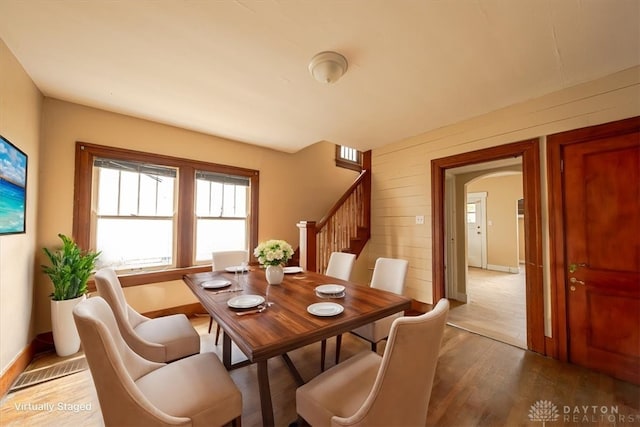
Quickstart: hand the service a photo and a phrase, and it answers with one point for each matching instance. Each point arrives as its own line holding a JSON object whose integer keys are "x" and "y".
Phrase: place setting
{"x": 330, "y": 291}
{"x": 221, "y": 284}
{"x": 327, "y": 309}
{"x": 242, "y": 268}
{"x": 249, "y": 304}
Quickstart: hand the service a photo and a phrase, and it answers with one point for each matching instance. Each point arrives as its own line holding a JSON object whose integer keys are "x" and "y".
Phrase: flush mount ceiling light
{"x": 328, "y": 67}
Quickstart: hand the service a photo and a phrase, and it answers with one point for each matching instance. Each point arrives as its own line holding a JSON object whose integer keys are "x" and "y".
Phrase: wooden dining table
{"x": 285, "y": 325}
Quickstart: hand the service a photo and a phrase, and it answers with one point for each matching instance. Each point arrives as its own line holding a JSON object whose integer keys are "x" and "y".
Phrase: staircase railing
{"x": 345, "y": 228}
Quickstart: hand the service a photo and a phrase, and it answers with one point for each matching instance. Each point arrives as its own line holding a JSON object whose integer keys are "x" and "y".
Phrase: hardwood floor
{"x": 495, "y": 308}
{"x": 479, "y": 382}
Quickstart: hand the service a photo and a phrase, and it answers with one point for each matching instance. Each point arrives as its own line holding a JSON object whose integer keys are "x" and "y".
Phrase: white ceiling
{"x": 238, "y": 69}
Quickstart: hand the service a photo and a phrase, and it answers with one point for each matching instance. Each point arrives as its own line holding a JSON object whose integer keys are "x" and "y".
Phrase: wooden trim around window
{"x": 84, "y": 156}
{"x": 348, "y": 164}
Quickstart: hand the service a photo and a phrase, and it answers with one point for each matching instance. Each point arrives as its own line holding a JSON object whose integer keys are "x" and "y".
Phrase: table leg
{"x": 323, "y": 352}
{"x": 226, "y": 351}
{"x": 265, "y": 394}
{"x": 293, "y": 370}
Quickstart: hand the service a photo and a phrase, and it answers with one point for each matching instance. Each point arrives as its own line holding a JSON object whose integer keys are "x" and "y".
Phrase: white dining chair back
{"x": 372, "y": 390}
{"x": 223, "y": 259}
{"x": 389, "y": 274}
{"x": 340, "y": 265}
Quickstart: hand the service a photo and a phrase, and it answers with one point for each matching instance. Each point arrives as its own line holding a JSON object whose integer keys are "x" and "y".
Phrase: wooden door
{"x": 601, "y": 201}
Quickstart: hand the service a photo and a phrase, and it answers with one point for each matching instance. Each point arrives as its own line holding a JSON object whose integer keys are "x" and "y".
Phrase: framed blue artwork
{"x": 13, "y": 188}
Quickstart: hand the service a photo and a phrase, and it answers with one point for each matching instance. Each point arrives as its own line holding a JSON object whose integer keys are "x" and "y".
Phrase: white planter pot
{"x": 65, "y": 334}
{"x": 274, "y": 274}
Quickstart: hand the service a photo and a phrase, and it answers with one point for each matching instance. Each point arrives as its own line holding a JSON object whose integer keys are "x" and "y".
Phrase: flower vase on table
{"x": 274, "y": 274}
{"x": 274, "y": 254}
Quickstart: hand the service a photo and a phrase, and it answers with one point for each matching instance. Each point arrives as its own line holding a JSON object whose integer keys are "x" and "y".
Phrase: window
{"x": 149, "y": 213}
{"x": 134, "y": 221}
{"x": 348, "y": 157}
{"x": 221, "y": 213}
{"x": 521, "y": 207}
{"x": 471, "y": 213}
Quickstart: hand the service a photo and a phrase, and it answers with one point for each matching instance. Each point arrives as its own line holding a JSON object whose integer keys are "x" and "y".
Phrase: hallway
{"x": 496, "y": 306}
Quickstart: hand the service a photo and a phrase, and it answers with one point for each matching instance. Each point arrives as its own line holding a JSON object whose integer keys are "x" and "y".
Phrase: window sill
{"x": 136, "y": 279}
{"x": 349, "y": 165}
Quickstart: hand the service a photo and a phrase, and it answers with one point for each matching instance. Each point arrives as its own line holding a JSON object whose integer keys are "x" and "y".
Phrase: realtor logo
{"x": 544, "y": 411}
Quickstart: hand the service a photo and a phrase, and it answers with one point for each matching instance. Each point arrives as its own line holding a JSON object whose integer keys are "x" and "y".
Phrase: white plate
{"x": 215, "y": 284}
{"x": 321, "y": 295}
{"x": 236, "y": 268}
{"x": 245, "y": 301}
{"x": 292, "y": 270}
{"x": 325, "y": 309}
{"x": 330, "y": 289}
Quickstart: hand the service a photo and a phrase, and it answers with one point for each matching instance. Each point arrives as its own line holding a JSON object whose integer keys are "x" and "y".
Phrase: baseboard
{"x": 550, "y": 348}
{"x": 462, "y": 297}
{"x": 504, "y": 268}
{"x": 43, "y": 342}
{"x": 16, "y": 368}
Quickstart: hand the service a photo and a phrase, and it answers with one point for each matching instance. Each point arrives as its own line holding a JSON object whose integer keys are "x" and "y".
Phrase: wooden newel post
{"x": 307, "y": 245}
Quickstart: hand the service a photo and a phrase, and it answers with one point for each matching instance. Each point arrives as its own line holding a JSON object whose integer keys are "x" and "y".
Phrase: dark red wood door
{"x": 602, "y": 241}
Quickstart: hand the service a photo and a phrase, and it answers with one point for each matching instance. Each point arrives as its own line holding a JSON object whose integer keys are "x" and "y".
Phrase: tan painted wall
{"x": 402, "y": 173}
{"x": 503, "y": 193}
{"x": 293, "y": 187}
{"x": 20, "y": 107}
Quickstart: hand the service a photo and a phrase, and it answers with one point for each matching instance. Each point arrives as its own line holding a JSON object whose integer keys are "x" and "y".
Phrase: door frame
{"x": 558, "y": 285}
{"x": 530, "y": 152}
{"x": 452, "y": 272}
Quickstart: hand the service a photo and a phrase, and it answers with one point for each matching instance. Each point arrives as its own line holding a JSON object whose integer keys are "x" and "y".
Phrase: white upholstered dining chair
{"x": 162, "y": 339}
{"x": 389, "y": 274}
{"x": 389, "y": 390}
{"x": 221, "y": 260}
{"x": 339, "y": 266}
{"x": 133, "y": 391}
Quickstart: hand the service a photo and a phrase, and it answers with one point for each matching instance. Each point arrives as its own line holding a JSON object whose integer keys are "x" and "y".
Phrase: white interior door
{"x": 476, "y": 230}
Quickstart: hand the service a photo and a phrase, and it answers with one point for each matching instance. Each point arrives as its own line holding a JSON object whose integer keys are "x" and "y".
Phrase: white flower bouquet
{"x": 273, "y": 252}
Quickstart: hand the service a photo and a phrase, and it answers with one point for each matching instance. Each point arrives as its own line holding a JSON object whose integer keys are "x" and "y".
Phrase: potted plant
{"x": 274, "y": 254}
{"x": 69, "y": 272}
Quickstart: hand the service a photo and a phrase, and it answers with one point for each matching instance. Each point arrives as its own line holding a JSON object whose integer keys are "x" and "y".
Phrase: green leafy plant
{"x": 70, "y": 269}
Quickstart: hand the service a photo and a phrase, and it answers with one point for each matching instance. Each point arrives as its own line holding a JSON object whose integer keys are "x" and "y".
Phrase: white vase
{"x": 65, "y": 334}
{"x": 274, "y": 274}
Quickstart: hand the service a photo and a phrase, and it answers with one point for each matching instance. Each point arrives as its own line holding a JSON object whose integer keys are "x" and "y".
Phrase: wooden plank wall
{"x": 401, "y": 186}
